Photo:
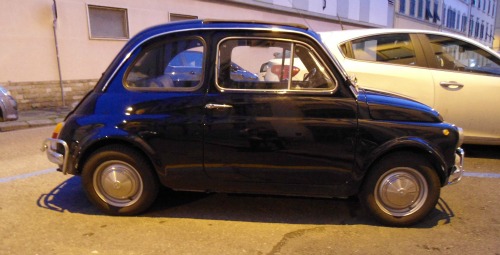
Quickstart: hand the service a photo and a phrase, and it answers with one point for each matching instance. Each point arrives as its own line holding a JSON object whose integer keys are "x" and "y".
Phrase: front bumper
{"x": 458, "y": 168}
{"x": 50, "y": 146}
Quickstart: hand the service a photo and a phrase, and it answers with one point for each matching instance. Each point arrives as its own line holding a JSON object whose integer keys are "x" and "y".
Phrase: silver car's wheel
{"x": 118, "y": 183}
{"x": 401, "y": 191}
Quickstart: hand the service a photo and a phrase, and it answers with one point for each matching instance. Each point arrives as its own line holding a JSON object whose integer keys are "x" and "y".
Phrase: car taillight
{"x": 57, "y": 130}
{"x": 283, "y": 71}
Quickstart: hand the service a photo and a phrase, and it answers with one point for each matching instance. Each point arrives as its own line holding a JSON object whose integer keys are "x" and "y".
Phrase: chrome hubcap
{"x": 118, "y": 183}
{"x": 401, "y": 191}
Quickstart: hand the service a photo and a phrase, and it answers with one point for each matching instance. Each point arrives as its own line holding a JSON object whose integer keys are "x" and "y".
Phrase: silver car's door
{"x": 467, "y": 87}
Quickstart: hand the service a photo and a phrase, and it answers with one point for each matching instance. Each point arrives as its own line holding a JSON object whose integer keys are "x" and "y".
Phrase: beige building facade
{"x": 53, "y": 51}
{"x": 49, "y": 45}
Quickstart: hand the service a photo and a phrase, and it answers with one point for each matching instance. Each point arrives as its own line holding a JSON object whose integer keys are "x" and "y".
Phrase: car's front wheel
{"x": 119, "y": 181}
{"x": 401, "y": 189}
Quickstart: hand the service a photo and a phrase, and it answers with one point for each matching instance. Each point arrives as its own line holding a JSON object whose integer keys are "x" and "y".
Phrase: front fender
{"x": 410, "y": 143}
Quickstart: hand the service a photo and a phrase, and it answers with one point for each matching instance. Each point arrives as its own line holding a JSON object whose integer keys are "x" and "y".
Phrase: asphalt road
{"x": 45, "y": 212}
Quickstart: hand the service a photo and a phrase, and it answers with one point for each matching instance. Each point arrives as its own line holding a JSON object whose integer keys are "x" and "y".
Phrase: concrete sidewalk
{"x": 35, "y": 118}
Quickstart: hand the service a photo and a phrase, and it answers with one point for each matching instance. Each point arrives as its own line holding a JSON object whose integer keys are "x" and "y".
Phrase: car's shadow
{"x": 69, "y": 197}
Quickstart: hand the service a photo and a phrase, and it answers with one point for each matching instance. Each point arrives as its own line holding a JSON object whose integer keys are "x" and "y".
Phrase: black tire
{"x": 119, "y": 181}
{"x": 401, "y": 189}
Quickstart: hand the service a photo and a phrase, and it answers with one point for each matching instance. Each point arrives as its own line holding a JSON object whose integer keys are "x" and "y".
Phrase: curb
{"x": 17, "y": 125}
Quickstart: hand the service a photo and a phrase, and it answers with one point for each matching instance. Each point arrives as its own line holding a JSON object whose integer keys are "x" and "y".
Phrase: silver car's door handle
{"x": 218, "y": 106}
{"x": 451, "y": 84}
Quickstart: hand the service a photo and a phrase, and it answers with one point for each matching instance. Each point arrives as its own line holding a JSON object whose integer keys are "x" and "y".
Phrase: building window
{"x": 428, "y": 13}
{"x": 107, "y": 22}
{"x": 402, "y": 6}
{"x": 464, "y": 23}
{"x": 412, "y": 8}
{"x": 481, "y": 35}
{"x": 452, "y": 19}
{"x": 471, "y": 27}
{"x": 476, "y": 29}
{"x": 436, "y": 14}
{"x": 179, "y": 17}
{"x": 420, "y": 8}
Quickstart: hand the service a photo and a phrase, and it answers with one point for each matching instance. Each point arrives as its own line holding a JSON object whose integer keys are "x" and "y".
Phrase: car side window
{"x": 169, "y": 65}
{"x": 457, "y": 55}
{"x": 392, "y": 48}
{"x": 270, "y": 65}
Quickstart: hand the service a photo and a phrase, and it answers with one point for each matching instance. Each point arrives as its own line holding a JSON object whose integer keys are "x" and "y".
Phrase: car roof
{"x": 206, "y": 24}
{"x": 341, "y": 36}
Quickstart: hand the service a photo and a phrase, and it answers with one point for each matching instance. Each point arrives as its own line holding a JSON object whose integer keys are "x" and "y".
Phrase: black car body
{"x": 317, "y": 137}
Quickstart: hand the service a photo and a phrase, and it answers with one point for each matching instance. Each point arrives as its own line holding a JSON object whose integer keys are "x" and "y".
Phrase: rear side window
{"x": 393, "y": 48}
{"x": 169, "y": 65}
{"x": 270, "y": 65}
{"x": 457, "y": 55}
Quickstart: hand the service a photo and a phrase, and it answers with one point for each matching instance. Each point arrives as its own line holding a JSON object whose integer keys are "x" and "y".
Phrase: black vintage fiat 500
{"x": 203, "y": 126}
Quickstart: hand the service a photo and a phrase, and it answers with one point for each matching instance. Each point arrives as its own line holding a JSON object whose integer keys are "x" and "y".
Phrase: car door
{"x": 391, "y": 62}
{"x": 467, "y": 86}
{"x": 166, "y": 110}
{"x": 270, "y": 136}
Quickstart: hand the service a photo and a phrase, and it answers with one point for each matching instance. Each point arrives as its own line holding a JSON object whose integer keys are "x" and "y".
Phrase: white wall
{"x": 27, "y": 45}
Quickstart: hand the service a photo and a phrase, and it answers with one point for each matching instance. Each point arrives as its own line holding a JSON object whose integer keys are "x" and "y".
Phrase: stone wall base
{"x": 47, "y": 94}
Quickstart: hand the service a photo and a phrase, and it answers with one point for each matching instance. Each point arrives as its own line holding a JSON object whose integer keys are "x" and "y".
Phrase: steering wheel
{"x": 310, "y": 75}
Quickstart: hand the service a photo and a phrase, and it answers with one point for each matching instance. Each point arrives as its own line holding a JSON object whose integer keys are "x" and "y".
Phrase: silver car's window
{"x": 392, "y": 48}
{"x": 267, "y": 64}
{"x": 170, "y": 65}
{"x": 457, "y": 55}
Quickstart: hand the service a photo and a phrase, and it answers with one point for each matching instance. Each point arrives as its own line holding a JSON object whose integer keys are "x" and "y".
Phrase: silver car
{"x": 8, "y": 106}
{"x": 455, "y": 75}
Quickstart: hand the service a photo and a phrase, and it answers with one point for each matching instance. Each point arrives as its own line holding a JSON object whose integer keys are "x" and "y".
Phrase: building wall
{"x": 29, "y": 29}
{"x": 482, "y": 13}
{"x": 28, "y": 56}
{"x": 28, "y": 47}
{"x": 454, "y": 16}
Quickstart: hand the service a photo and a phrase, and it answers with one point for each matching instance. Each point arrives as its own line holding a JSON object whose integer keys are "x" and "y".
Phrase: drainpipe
{"x": 54, "y": 26}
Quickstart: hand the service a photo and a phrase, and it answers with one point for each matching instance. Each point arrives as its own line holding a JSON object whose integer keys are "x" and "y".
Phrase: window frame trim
{"x": 141, "y": 53}
{"x": 421, "y": 60}
{"x": 276, "y": 91}
{"x": 432, "y": 65}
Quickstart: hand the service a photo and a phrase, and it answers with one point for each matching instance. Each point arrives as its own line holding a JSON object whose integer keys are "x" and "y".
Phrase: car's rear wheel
{"x": 119, "y": 181}
{"x": 401, "y": 189}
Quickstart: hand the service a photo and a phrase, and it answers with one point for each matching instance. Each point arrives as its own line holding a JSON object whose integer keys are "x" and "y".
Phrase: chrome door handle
{"x": 218, "y": 106}
{"x": 451, "y": 84}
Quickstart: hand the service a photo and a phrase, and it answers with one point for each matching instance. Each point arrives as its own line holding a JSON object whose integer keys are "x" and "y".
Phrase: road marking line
{"x": 481, "y": 175}
{"x": 52, "y": 170}
{"x": 28, "y": 175}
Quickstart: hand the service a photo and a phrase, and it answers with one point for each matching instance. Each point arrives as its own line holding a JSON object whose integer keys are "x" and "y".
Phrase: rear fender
{"x": 82, "y": 150}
